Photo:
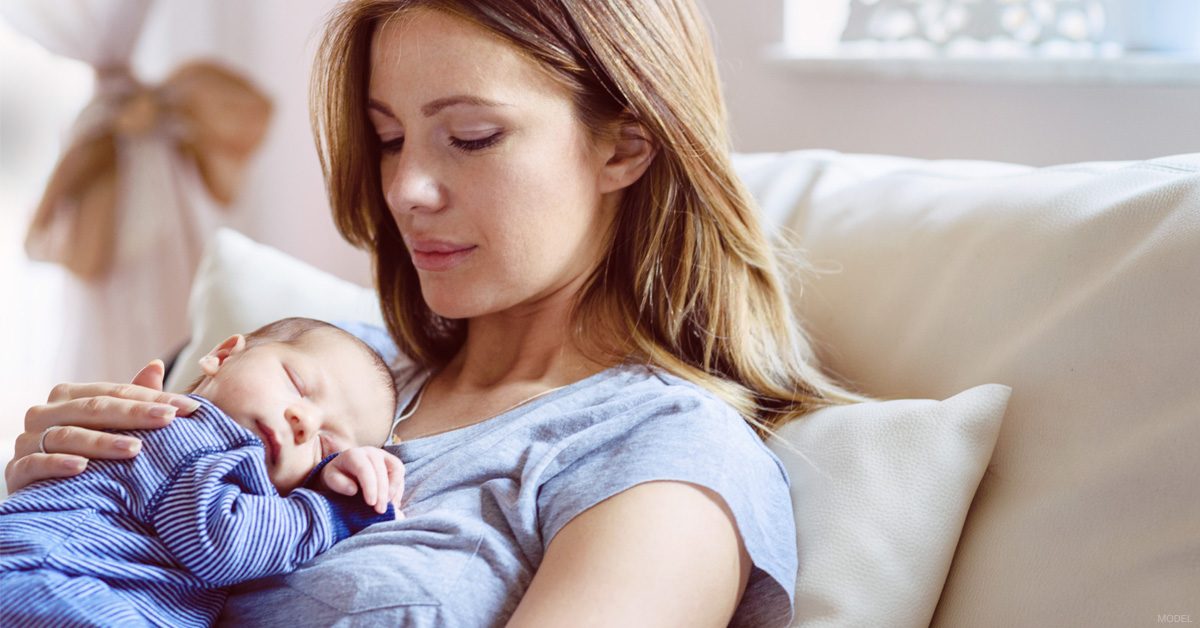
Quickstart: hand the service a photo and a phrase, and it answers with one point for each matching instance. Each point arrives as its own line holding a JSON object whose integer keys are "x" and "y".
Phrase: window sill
{"x": 1129, "y": 69}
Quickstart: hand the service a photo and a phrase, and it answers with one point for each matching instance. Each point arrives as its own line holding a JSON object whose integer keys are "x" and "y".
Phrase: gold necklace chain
{"x": 421, "y": 395}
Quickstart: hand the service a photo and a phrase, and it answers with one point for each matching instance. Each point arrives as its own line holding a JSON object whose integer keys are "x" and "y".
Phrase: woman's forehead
{"x": 424, "y": 55}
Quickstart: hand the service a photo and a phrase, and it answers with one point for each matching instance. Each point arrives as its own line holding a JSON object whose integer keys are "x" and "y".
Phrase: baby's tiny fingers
{"x": 395, "y": 477}
{"x": 382, "y": 482}
{"x": 356, "y": 464}
{"x": 338, "y": 481}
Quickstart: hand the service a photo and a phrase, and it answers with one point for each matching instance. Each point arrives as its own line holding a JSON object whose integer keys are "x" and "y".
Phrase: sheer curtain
{"x": 133, "y": 239}
{"x": 282, "y": 201}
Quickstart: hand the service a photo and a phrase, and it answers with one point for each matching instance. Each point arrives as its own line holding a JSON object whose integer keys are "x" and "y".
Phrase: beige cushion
{"x": 1076, "y": 285}
{"x": 880, "y": 492}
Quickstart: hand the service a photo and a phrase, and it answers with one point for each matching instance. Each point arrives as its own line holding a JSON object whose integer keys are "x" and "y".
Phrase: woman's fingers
{"x": 25, "y": 470}
{"x": 151, "y": 375}
{"x": 77, "y": 441}
{"x": 61, "y": 434}
{"x": 130, "y": 392}
{"x": 101, "y": 412}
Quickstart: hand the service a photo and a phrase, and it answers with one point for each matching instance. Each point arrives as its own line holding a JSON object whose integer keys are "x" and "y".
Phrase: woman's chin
{"x": 452, "y": 308}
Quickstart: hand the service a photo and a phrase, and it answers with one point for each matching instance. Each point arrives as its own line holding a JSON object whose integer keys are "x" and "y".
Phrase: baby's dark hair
{"x": 290, "y": 330}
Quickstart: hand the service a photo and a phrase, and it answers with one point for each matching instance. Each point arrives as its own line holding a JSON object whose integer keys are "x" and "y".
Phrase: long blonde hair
{"x": 689, "y": 283}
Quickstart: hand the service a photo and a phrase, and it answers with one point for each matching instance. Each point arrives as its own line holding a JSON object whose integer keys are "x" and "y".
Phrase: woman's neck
{"x": 531, "y": 344}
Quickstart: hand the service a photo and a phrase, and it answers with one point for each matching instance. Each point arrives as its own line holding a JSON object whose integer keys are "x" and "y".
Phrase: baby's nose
{"x": 302, "y": 423}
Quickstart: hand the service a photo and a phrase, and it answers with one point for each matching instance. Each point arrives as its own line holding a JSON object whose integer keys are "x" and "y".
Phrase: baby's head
{"x": 306, "y": 388}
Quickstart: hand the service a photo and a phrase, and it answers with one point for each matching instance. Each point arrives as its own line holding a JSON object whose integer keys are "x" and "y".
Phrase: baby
{"x": 255, "y": 483}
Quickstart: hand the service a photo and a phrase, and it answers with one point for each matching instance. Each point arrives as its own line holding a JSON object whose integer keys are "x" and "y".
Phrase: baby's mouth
{"x": 268, "y": 438}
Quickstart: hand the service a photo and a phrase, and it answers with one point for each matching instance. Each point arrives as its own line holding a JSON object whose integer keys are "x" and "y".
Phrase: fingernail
{"x": 74, "y": 465}
{"x": 129, "y": 444}
{"x": 187, "y": 404}
{"x": 162, "y": 412}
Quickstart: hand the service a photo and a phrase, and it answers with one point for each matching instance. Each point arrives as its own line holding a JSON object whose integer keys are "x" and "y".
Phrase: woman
{"x": 600, "y": 331}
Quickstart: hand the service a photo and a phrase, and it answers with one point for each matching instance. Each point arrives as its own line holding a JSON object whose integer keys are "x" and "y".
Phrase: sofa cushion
{"x": 880, "y": 491}
{"x": 1076, "y": 285}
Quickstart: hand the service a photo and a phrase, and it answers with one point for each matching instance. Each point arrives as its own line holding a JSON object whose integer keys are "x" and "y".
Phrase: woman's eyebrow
{"x": 432, "y": 107}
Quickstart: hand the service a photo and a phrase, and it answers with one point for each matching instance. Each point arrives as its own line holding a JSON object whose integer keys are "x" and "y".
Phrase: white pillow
{"x": 1079, "y": 286}
{"x": 880, "y": 492}
{"x": 241, "y": 285}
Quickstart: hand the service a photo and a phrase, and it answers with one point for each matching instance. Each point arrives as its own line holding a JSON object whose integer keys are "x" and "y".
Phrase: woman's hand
{"x": 68, "y": 425}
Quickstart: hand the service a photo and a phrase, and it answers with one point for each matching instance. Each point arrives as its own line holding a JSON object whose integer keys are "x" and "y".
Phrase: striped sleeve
{"x": 224, "y": 521}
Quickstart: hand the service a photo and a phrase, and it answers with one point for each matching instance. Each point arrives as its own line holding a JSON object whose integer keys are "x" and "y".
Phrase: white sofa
{"x": 1078, "y": 286}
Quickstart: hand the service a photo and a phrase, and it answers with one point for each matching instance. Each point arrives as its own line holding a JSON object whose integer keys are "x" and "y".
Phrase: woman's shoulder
{"x": 653, "y": 392}
{"x": 652, "y": 426}
{"x": 646, "y": 412}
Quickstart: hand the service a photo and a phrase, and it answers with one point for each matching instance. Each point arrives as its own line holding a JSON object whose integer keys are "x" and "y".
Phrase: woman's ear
{"x": 212, "y": 362}
{"x": 628, "y": 156}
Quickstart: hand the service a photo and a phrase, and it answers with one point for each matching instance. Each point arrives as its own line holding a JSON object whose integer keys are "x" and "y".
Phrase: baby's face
{"x": 305, "y": 400}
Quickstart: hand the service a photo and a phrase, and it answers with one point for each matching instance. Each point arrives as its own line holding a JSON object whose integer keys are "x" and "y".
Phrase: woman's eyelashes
{"x": 395, "y": 144}
{"x": 479, "y": 144}
{"x": 392, "y": 145}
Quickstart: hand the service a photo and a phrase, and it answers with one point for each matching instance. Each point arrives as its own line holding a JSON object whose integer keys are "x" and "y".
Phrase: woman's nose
{"x": 410, "y": 185}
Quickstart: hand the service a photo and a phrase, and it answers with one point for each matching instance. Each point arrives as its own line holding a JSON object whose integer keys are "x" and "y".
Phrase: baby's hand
{"x": 380, "y": 474}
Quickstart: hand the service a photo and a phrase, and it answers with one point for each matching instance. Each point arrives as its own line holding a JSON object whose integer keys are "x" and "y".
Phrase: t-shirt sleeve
{"x": 684, "y": 436}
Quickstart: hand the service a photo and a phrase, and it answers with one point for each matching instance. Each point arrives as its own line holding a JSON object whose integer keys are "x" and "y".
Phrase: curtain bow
{"x": 210, "y": 115}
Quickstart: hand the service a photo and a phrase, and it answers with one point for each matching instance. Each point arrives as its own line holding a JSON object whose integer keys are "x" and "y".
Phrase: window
{"x": 1125, "y": 41}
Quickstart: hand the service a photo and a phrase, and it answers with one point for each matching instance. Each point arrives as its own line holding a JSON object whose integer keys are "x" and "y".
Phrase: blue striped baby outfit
{"x": 156, "y": 539}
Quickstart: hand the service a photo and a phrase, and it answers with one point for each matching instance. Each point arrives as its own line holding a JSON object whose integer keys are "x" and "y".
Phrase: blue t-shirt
{"x": 483, "y": 502}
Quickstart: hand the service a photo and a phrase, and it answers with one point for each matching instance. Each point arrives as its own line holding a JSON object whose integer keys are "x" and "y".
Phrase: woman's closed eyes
{"x": 394, "y": 145}
{"x": 479, "y": 144}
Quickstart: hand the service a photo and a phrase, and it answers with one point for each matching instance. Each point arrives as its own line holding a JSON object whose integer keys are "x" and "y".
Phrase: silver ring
{"x": 42, "y": 440}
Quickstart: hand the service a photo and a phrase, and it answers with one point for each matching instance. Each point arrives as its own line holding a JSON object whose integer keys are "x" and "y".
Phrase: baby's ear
{"x": 212, "y": 362}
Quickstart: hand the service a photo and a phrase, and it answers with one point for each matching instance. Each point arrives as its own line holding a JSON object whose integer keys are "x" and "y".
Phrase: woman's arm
{"x": 657, "y": 554}
{"x": 83, "y": 410}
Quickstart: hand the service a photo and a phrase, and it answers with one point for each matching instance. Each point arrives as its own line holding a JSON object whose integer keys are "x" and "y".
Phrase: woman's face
{"x": 486, "y": 170}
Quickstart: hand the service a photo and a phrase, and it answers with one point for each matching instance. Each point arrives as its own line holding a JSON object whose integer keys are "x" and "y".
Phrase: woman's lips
{"x": 440, "y": 260}
{"x": 272, "y": 445}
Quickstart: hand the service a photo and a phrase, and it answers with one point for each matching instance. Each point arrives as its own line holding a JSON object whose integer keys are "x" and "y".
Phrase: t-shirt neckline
{"x": 419, "y": 447}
